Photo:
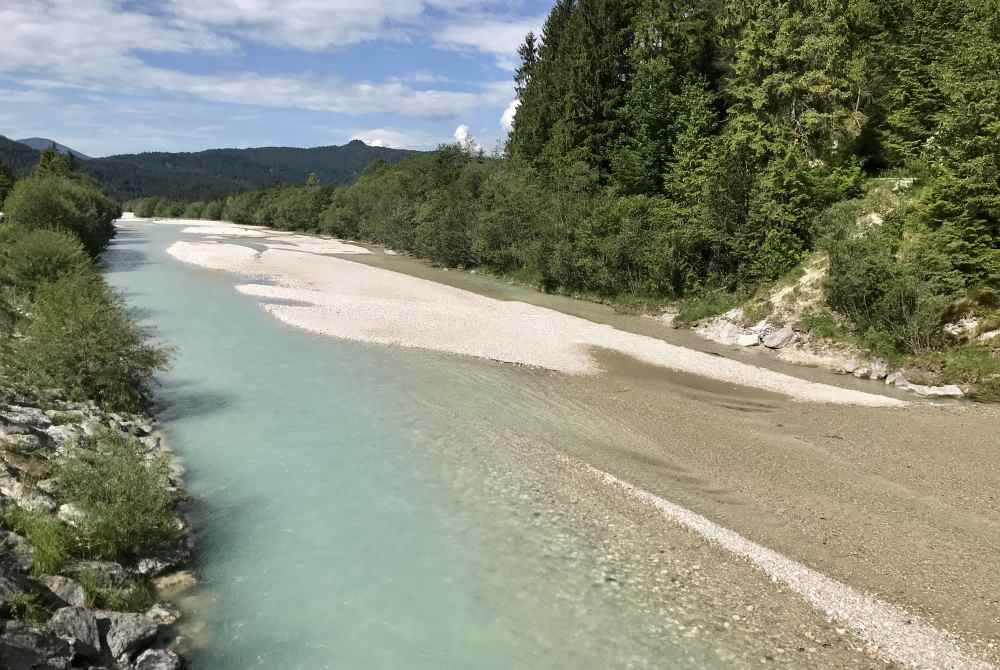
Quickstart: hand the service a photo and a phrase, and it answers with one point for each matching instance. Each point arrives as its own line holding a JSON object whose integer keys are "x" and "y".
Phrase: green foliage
{"x": 6, "y": 182}
{"x": 703, "y": 305}
{"x": 125, "y": 497}
{"x": 25, "y": 607}
{"x": 29, "y": 258}
{"x": 136, "y": 596}
{"x": 48, "y": 536}
{"x": 80, "y": 339}
{"x": 64, "y": 203}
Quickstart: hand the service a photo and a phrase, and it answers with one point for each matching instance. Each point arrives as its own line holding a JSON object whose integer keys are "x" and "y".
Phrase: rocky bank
{"x": 53, "y": 620}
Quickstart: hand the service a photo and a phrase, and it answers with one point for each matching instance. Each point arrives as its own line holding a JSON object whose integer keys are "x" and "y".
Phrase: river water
{"x": 348, "y": 518}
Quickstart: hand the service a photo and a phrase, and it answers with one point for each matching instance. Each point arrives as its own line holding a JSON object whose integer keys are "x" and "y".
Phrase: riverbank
{"x": 863, "y": 495}
{"x": 57, "y": 608}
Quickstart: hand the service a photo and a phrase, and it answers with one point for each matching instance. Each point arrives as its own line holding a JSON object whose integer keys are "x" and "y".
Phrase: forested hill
{"x": 16, "y": 157}
{"x": 217, "y": 172}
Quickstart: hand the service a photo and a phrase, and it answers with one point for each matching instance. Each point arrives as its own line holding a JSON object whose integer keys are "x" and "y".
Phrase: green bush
{"x": 135, "y": 597}
{"x": 25, "y": 607}
{"x": 49, "y": 537}
{"x": 29, "y": 258}
{"x": 126, "y": 499}
{"x": 194, "y": 210}
{"x": 63, "y": 203}
{"x": 80, "y": 339}
{"x": 212, "y": 211}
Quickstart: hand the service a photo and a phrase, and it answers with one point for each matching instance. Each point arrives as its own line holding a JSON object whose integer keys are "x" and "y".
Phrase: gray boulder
{"x": 66, "y": 589}
{"x": 127, "y": 634}
{"x": 23, "y": 647}
{"x": 78, "y": 626}
{"x": 16, "y": 554}
{"x": 29, "y": 416}
{"x": 780, "y": 339}
{"x": 158, "y": 659}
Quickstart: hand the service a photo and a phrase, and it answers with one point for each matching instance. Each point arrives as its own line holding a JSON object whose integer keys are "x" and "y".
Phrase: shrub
{"x": 49, "y": 537}
{"x": 194, "y": 210}
{"x": 212, "y": 211}
{"x": 126, "y": 499}
{"x": 135, "y": 597}
{"x": 32, "y": 257}
{"x": 25, "y": 607}
{"x": 63, "y": 203}
{"x": 80, "y": 339}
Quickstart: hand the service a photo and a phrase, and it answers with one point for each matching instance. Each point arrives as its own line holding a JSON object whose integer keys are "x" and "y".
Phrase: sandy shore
{"x": 337, "y": 297}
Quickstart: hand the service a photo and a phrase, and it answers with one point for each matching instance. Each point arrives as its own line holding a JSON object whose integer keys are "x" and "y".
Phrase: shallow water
{"x": 350, "y": 510}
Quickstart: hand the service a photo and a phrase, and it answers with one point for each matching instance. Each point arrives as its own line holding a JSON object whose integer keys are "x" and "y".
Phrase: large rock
{"x": 748, "y": 340}
{"x": 71, "y": 514}
{"x": 780, "y": 339}
{"x": 66, "y": 589}
{"x": 127, "y": 634}
{"x": 23, "y": 647}
{"x": 78, "y": 626}
{"x": 26, "y": 497}
{"x": 950, "y": 391}
{"x": 16, "y": 553}
{"x": 158, "y": 659}
{"x": 29, "y": 416}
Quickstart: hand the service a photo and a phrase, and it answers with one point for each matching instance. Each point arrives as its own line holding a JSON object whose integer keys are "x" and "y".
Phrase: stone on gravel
{"x": 748, "y": 340}
{"x": 68, "y": 590}
{"x": 23, "y": 647}
{"x": 897, "y": 379}
{"x": 78, "y": 626}
{"x": 780, "y": 339}
{"x": 950, "y": 391}
{"x": 158, "y": 659}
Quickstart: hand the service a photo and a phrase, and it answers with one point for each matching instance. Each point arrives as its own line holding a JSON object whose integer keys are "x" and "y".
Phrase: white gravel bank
{"x": 358, "y": 302}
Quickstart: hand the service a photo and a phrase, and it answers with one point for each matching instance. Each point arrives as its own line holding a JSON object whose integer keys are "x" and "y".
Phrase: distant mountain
{"x": 213, "y": 173}
{"x": 19, "y": 158}
{"x": 41, "y": 144}
{"x": 219, "y": 172}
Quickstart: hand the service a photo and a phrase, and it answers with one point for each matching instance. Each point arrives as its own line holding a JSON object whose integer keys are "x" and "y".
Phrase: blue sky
{"x": 121, "y": 76}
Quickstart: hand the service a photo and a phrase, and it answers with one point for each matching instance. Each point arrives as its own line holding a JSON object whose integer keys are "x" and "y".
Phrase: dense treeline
{"x": 692, "y": 148}
{"x": 286, "y": 208}
{"x": 61, "y": 326}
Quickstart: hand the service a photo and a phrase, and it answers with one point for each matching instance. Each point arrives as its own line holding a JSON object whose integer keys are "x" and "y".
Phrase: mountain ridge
{"x": 43, "y": 143}
{"x": 214, "y": 173}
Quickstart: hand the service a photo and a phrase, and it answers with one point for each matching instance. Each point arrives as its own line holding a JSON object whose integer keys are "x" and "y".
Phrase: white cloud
{"x": 396, "y": 139}
{"x": 465, "y": 139}
{"x": 507, "y": 120}
{"x": 54, "y": 43}
{"x": 497, "y": 36}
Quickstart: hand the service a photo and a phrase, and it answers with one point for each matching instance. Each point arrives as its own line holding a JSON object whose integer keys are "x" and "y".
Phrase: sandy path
{"x": 337, "y": 297}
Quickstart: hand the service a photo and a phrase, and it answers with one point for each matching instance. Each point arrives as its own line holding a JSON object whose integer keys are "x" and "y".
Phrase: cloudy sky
{"x": 119, "y": 76}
